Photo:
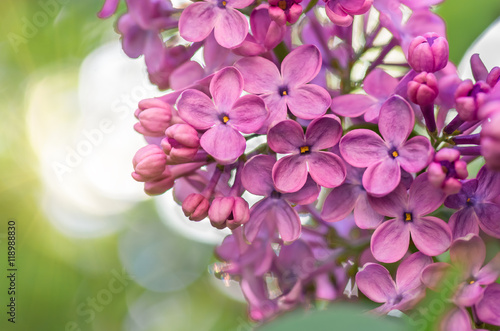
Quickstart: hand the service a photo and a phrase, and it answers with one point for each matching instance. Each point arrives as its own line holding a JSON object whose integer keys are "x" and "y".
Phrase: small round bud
{"x": 149, "y": 163}
{"x": 428, "y": 53}
{"x": 423, "y": 89}
{"x": 154, "y": 117}
{"x": 195, "y": 206}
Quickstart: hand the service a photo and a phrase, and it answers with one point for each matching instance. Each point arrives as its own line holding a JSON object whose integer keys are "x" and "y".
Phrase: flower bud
{"x": 490, "y": 141}
{"x": 195, "y": 206}
{"x": 423, "y": 89}
{"x": 428, "y": 53}
{"x": 181, "y": 143}
{"x": 228, "y": 211}
{"x": 149, "y": 163}
{"x": 493, "y": 77}
{"x": 161, "y": 184}
{"x": 154, "y": 117}
{"x": 469, "y": 98}
{"x": 446, "y": 170}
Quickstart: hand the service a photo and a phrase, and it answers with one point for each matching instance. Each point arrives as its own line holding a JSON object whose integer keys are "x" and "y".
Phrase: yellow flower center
{"x": 472, "y": 282}
{"x": 408, "y": 217}
{"x": 224, "y": 3}
{"x": 284, "y": 93}
{"x": 304, "y": 149}
{"x": 395, "y": 154}
{"x": 225, "y": 119}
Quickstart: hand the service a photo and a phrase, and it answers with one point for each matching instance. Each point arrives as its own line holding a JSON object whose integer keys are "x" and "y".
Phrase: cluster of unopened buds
{"x": 293, "y": 126}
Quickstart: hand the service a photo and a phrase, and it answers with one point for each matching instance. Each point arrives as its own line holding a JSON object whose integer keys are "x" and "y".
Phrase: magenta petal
{"x": 248, "y": 114}
{"x": 352, "y": 105}
{"x": 286, "y": 137}
{"x": 487, "y": 213}
{"x": 488, "y": 309}
{"x": 456, "y": 320}
{"x": 337, "y": 15}
{"x": 256, "y": 176}
{"x": 197, "y": 21}
{"x": 234, "y": 21}
{"x": 308, "y": 101}
{"x": 468, "y": 253}
{"x": 290, "y": 173}
{"x": 488, "y": 187}
{"x": 239, "y": 3}
{"x": 365, "y": 216}
{"x": 327, "y": 169}
{"x": 277, "y": 109}
{"x": 383, "y": 177}
{"x": 415, "y": 154}
{"x": 490, "y": 272}
{"x": 390, "y": 241}
{"x": 287, "y": 221}
{"x": 196, "y": 108}
{"x": 433, "y": 275}
{"x": 224, "y": 143}
{"x": 226, "y": 87}
{"x": 468, "y": 294}
{"x": 301, "y": 65}
{"x": 376, "y": 283}
{"x": 379, "y": 84}
{"x": 266, "y": 79}
{"x": 393, "y": 204}
{"x": 258, "y": 214}
{"x": 424, "y": 198}
{"x": 108, "y": 9}
{"x": 362, "y": 148}
{"x": 306, "y": 195}
{"x": 464, "y": 222}
{"x": 409, "y": 271}
{"x": 431, "y": 235}
{"x": 323, "y": 132}
{"x": 396, "y": 120}
{"x": 340, "y": 202}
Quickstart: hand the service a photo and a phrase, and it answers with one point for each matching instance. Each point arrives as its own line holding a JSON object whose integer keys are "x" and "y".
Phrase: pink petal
{"x": 487, "y": 213}
{"x": 266, "y": 79}
{"x": 248, "y": 114}
{"x": 468, "y": 294}
{"x": 434, "y": 274}
{"x": 231, "y": 28}
{"x": 383, "y": 177}
{"x": 393, "y": 204}
{"x": 308, "y": 101}
{"x": 327, "y": 169}
{"x": 336, "y": 14}
{"x": 108, "y": 9}
{"x": 362, "y": 148}
{"x": 396, "y": 120}
{"x": 424, "y": 198}
{"x": 290, "y": 173}
{"x": 376, "y": 283}
{"x": 324, "y": 132}
{"x": 340, "y": 202}
{"x": 488, "y": 184}
{"x": 286, "y": 137}
{"x": 409, "y": 271}
{"x": 239, "y": 3}
{"x": 490, "y": 272}
{"x": 277, "y": 109}
{"x": 365, "y": 216}
{"x": 301, "y": 65}
{"x": 352, "y": 105}
{"x": 463, "y": 222}
{"x": 379, "y": 84}
{"x": 258, "y": 214}
{"x": 226, "y": 87}
{"x": 197, "y": 21}
{"x": 390, "y": 241}
{"x": 224, "y": 143}
{"x": 306, "y": 195}
{"x": 488, "y": 309}
{"x": 256, "y": 176}
{"x": 196, "y": 108}
{"x": 468, "y": 253}
{"x": 431, "y": 235}
{"x": 415, "y": 154}
{"x": 456, "y": 320}
{"x": 287, "y": 221}
{"x": 186, "y": 74}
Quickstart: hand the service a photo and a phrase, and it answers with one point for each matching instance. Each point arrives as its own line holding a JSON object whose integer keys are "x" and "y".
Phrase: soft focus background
{"x": 93, "y": 251}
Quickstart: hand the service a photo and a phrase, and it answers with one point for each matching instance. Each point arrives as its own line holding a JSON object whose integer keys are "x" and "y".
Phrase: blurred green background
{"x": 59, "y": 275}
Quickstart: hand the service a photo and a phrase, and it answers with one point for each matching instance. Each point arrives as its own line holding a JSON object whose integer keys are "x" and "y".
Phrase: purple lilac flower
{"x": 288, "y": 88}
{"x": 200, "y": 18}
{"x": 446, "y": 170}
{"x": 341, "y": 12}
{"x": 274, "y": 211}
{"x": 488, "y": 309}
{"x": 431, "y": 235}
{"x": 475, "y": 205}
{"x": 467, "y": 256}
{"x": 306, "y": 155}
{"x": 428, "y": 53}
{"x": 283, "y": 11}
{"x": 377, "y": 284}
{"x": 225, "y": 116}
{"x": 378, "y": 85}
{"x": 385, "y": 157}
{"x": 469, "y": 98}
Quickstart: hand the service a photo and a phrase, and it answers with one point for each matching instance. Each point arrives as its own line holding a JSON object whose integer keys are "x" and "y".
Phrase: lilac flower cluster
{"x": 353, "y": 160}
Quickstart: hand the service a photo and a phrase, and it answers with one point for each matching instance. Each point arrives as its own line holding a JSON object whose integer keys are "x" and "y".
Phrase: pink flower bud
{"x": 428, "y": 53}
{"x": 490, "y": 141}
{"x": 423, "y": 89}
{"x": 282, "y": 11}
{"x": 493, "y": 77}
{"x": 161, "y": 184}
{"x": 469, "y": 98}
{"x": 446, "y": 170}
{"x": 149, "y": 163}
{"x": 228, "y": 211}
{"x": 195, "y": 206}
{"x": 154, "y": 117}
{"x": 181, "y": 143}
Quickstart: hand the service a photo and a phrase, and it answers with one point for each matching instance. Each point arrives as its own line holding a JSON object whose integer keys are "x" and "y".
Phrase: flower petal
{"x": 352, "y": 105}
{"x": 197, "y": 21}
{"x": 306, "y": 195}
{"x": 290, "y": 173}
{"x": 327, "y": 169}
{"x": 488, "y": 187}
{"x": 390, "y": 241}
{"x": 234, "y": 21}
{"x": 464, "y": 222}
{"x": 362, "y": 148}
{"x": 434, "y": 274}
{"x": 415, "y": 154}
{"x": 490, "y": 272}
{"x": 224, "y": 143}
{"x": 431, "y": 235}
{"x": 456, "y": 320}
{"x": 286, "y": 137}
{"x": 323, "y": 132}
{"x": 248, "y": 114}
{"x": 256, "y": 175}
{"x": 376, "y": 283}
{"x": 468, "y": 294}
{"x": 277, "y": 110}
{"x": 424, "y": 198}
{"x": 468, "y": 253}
{"x": 487, "y": 213}
{"x": 301, "y": 65}
{"x": 383, "y": 177}
{"x": 259, "y": 213}
{"x": 393, "y": 204}
{"x": 308, "y": 101}
{"x": 226, "y": 87}
{"x": 287, "y": 221}
{"x": 340, "y": 202}
{"x": 379, "y": 84}
{"x": 365, "y": 216}
{"x": 396, "y": 120}
{"x": 488, "y": 309}
{"x": 196, "y": 108}
{"x": 409, "y": 271}
{"x": 266, "y": 79}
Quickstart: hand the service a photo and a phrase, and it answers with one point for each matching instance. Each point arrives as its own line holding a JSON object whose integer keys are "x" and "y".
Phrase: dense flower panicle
{"x": 349, "y": 160}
